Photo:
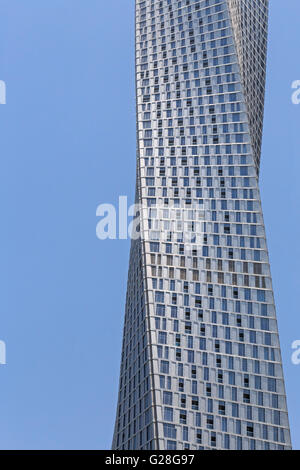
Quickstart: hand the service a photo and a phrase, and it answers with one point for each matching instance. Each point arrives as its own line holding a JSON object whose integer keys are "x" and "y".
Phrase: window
{"x": 250, "y": 430}
{"x": 171, "y": 445}
{"x": 168, "y": 414}
{"x": 182, "y": 417}
{"x": 164, "y": 367}
{"x": 210, "y": 422}
{"x": 195, "y": 403}
{"x": 199, "y": 436}
{"x": 235, "y": 410}
{"x": 169, "y": 431}
{"x": 167, "y": 398}
{"x": 162, "y": 337}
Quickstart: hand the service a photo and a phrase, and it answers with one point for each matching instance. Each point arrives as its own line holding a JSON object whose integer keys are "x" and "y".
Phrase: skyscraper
{"x": 201, "y": 363}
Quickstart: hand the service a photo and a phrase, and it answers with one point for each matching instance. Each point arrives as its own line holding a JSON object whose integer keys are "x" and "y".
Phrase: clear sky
{"x": 67, "y": 143}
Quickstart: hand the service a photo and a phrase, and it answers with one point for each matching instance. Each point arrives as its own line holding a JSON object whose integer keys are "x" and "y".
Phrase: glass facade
{"x": 201, "y": 364}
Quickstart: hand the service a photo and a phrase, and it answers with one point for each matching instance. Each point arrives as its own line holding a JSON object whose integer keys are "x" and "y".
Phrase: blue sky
{"x": 68, "y": 144}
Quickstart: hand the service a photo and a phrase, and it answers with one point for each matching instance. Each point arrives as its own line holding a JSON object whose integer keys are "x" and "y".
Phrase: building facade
{"x": 201, "y": 364}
